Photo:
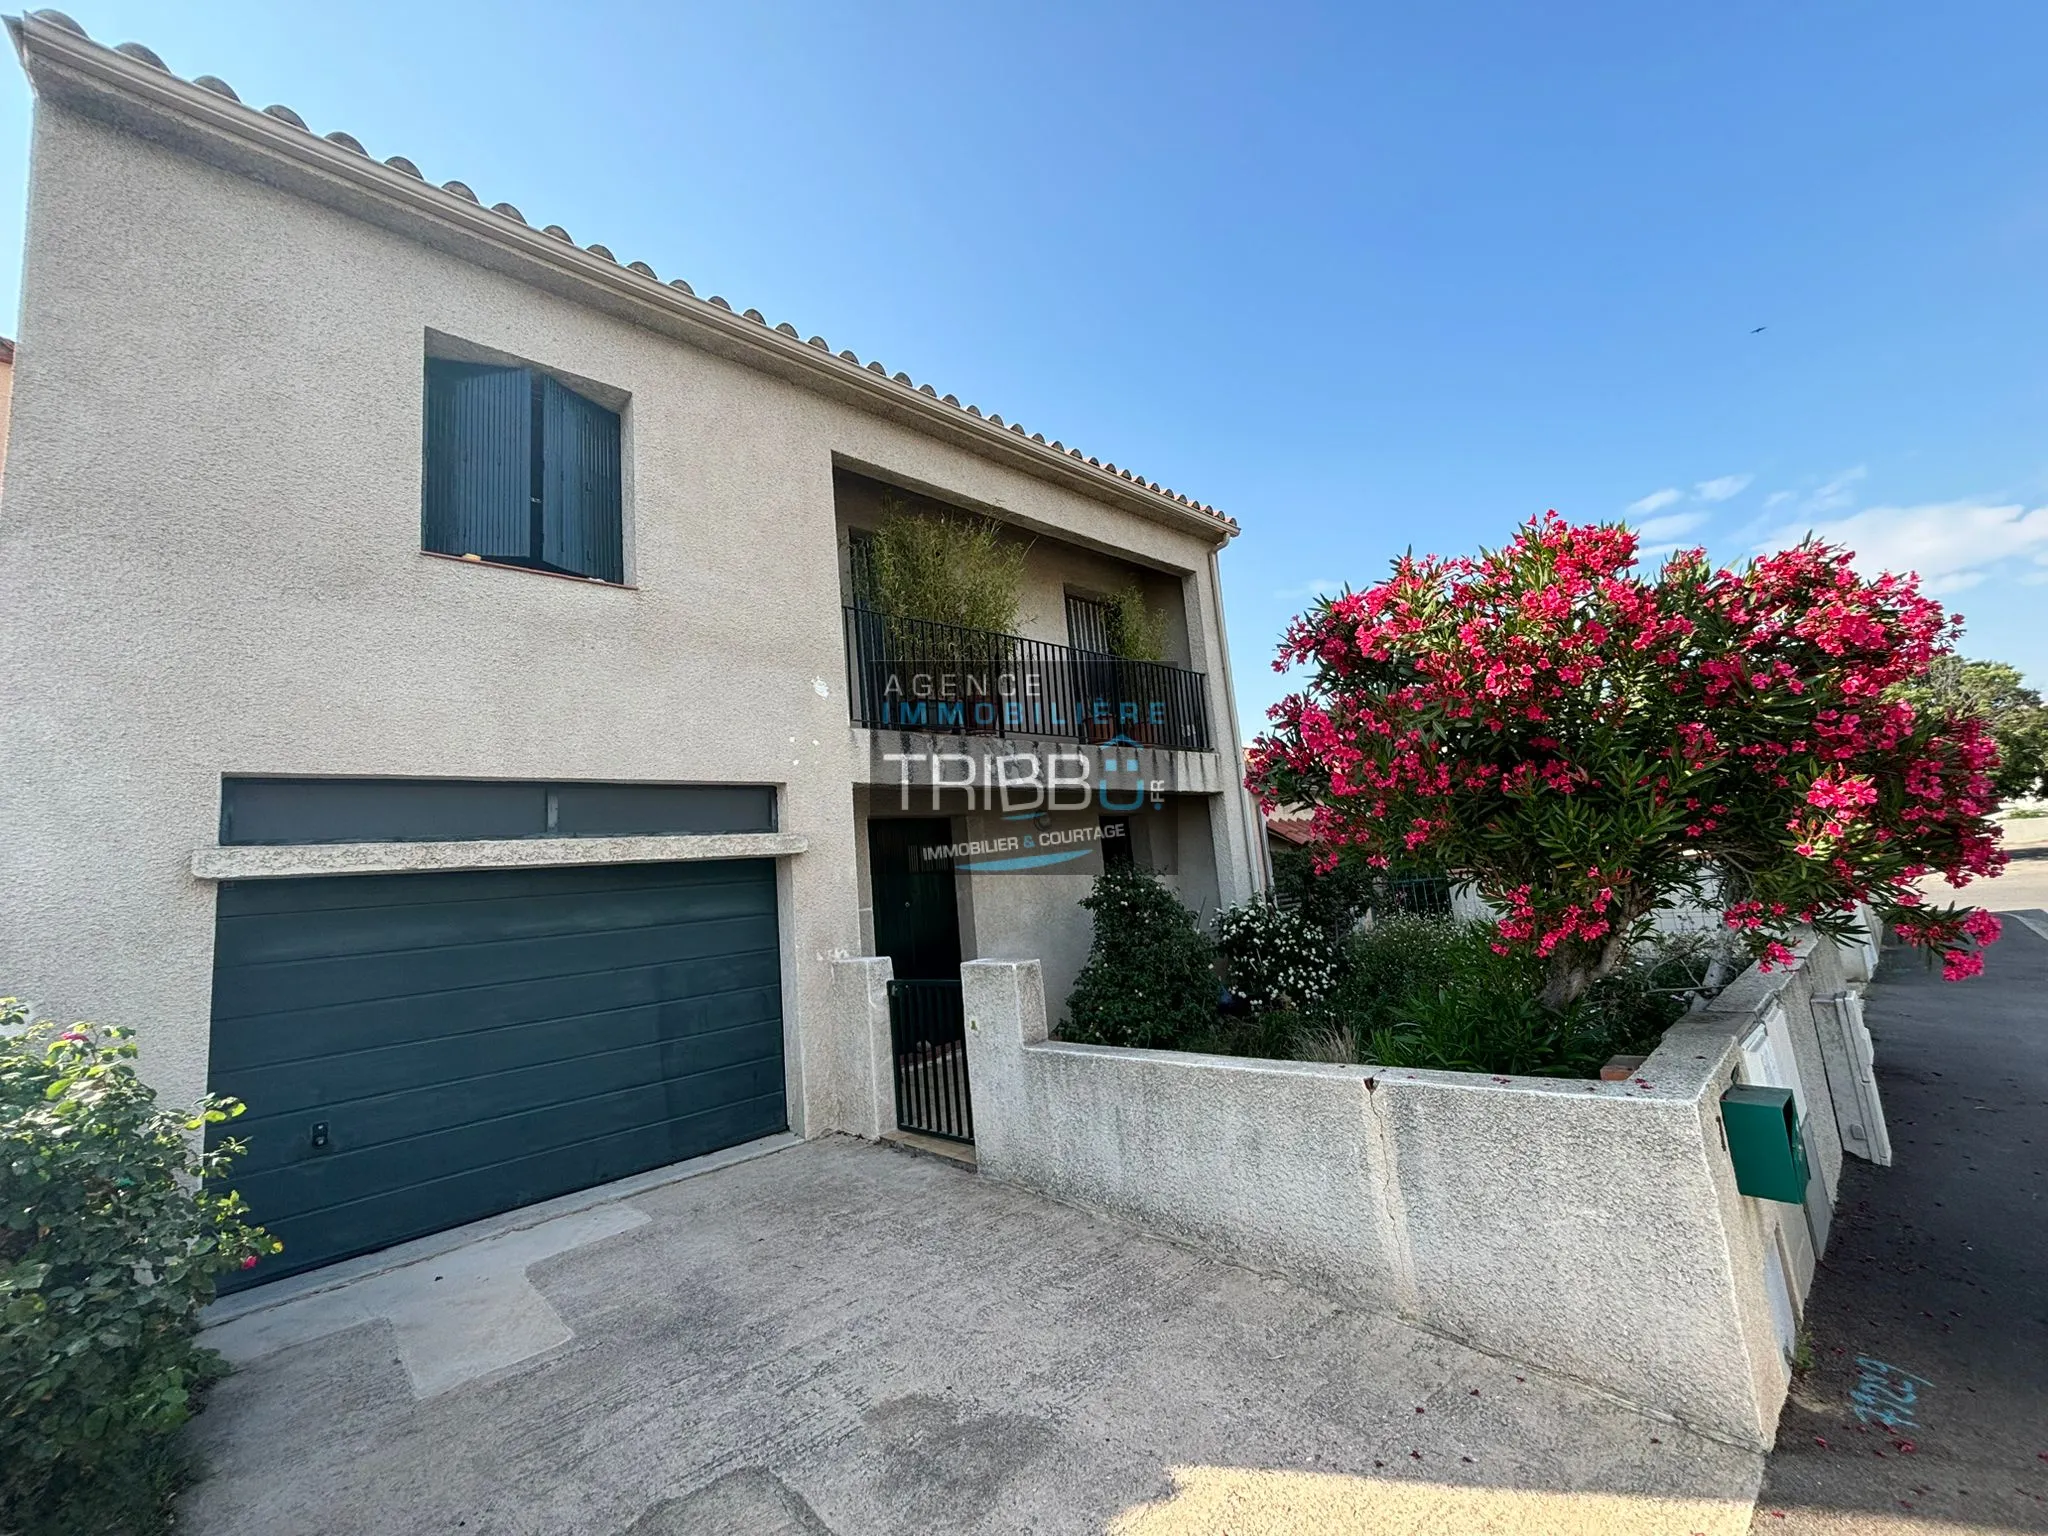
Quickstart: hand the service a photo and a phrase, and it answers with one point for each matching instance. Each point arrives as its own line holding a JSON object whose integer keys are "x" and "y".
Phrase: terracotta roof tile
{"x": 1298, "y": 830}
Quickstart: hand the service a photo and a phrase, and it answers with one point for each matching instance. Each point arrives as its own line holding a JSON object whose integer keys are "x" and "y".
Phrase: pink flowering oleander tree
{"x": 1588, "y": 743}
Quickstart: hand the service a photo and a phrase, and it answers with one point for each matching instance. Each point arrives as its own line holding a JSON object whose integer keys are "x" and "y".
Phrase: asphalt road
{"x": 1926, "y": 1408}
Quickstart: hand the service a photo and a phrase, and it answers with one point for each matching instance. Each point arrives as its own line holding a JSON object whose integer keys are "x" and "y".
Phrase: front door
{"x": 917, "y": 925}
{"x": 917, "y": 922}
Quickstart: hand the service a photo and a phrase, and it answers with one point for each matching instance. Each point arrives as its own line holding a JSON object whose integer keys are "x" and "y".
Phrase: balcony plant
{"x": 946, "y": 569}
{"x": 1588, "y": 744}
{"x": 1137, "y": 630}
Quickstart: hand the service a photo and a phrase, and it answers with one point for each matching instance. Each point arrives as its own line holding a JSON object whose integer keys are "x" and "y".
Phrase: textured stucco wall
{"x": 864, "y": 1069}
{"x": 213, "y": 493}
{"x": 1572, "y": 1226}
{"x": 1272, "y": 1163}
{"x": 1590, "y": 1228}
{"x": 6, "y": 400}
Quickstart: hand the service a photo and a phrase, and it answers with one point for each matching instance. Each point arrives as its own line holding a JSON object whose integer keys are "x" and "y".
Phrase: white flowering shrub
{"x": 1274, "y": 958}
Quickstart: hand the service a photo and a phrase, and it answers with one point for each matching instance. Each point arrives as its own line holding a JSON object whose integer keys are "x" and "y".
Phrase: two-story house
{"x": 445, "y": 704}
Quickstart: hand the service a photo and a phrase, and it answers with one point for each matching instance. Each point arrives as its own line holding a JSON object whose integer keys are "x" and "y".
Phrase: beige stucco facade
{"x": 213, "y": 493}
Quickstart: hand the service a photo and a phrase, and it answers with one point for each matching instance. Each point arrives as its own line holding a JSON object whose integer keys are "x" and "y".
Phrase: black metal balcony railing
{"x": 916, "y": 675}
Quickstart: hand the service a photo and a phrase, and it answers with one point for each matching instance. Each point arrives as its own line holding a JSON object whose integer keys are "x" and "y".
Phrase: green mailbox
{"x": 1765, "y": 1142}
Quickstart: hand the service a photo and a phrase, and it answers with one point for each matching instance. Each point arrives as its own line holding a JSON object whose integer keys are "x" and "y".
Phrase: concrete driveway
{"x": 844, "y": 1338}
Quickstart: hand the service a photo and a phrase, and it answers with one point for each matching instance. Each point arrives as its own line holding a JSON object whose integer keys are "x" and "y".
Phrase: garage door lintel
{"x": 272, "y": 862}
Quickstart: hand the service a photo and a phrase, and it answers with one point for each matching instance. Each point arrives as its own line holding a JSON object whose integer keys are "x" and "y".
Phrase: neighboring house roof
{"x": 1298, "y": 830}
{"x": 133, "y": 87}
{"x": 6, "y": 350}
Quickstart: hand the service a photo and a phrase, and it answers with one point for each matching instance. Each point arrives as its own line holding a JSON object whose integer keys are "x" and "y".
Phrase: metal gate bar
{"x": 928, "y": 1036}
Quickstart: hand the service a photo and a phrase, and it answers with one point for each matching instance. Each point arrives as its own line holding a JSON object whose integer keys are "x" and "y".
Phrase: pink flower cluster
{"x": 1526, "y": 714}
{"x": 1945, "y": 935}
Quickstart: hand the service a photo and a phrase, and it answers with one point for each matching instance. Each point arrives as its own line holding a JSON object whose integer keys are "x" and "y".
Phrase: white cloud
{"x": 1952, "y": 545}
{"x": 1830, "y": 495}
{"x": 1656, "y": 501}
{"x": 1836, "y": 493}
{"x": 1309, "y": 591}
{"x": 1671, "y": 526}
{"x": 1721, "y": 488}
{"x": 1962, "y": 581}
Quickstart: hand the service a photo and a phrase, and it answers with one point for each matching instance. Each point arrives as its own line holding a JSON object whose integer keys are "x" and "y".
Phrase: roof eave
{"x": 113, "y": 87}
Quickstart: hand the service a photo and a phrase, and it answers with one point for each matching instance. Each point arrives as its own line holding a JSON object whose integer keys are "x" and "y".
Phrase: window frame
{"x": 443, "y": 348}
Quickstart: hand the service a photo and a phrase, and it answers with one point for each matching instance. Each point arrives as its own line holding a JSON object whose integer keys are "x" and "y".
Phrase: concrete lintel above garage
{"x": 268, "y": 863}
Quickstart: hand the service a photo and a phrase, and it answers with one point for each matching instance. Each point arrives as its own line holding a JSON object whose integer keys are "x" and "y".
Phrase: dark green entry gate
{"x": 418, "y": 1051}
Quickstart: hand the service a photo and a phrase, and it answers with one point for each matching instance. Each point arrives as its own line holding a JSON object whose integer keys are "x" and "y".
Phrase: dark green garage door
{"x": 417, "y": 1051}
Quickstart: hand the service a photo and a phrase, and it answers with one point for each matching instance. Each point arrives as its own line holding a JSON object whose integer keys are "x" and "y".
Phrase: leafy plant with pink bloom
{"x": 1587, "y": 743}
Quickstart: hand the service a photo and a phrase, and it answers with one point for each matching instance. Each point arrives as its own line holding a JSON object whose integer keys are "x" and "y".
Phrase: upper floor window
{"x": 521, "y": 470}
{"x": 1088, "y": 625}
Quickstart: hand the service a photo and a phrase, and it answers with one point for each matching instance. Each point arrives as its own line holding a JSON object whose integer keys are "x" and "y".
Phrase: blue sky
{"x": 1365, "y": 277}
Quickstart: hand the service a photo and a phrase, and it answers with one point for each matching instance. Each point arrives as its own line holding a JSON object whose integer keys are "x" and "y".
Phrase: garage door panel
{"x": 309, "y": 1185}
{"x": 395, "y": 1097}
{"x": 298, "y": 893}
{"x": 470, "y": 1042}
{"x": 397, "y": 927}
{"x": 292, "y": 985}
{"x": 354, "y": 1068}
{"x": 417, "y": 1210}
{"x": 290, "y": 1031}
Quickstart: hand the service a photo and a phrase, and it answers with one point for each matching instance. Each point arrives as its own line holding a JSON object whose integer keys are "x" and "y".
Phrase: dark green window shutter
{"x": 582, "y": 528}
{"x": 478, "y": 491}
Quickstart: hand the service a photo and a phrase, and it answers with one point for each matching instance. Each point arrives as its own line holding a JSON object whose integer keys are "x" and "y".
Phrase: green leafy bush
{"x": 946, "y": 569}
{"x": 1394, "y": 960}
{"x": 1272, "y": 1035}
{"x": 1638, "y": 1002}
{"x": 1275, "y": 958}
{"x": 1489, "y": 1019}
{"x": 1410, "y": 991}
{"x": 1428, "y": 992}
{"x": 109, "y": 1245}
{"x": 1334, "y": 899}
{"x": 1150, "y": 979}
{"x": 1137, "y": 630}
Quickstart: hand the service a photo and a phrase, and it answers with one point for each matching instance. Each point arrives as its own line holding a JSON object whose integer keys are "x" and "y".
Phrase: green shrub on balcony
{"x": 1137, "y": 630}
{"x": 946, "y": 569}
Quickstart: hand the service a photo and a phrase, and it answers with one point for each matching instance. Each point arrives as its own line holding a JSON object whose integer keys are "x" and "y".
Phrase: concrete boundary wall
{"x": 1592, "y": 1229}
